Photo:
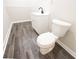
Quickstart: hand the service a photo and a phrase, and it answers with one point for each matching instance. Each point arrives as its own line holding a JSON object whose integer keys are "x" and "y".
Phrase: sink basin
{"x": 39, "y": 13}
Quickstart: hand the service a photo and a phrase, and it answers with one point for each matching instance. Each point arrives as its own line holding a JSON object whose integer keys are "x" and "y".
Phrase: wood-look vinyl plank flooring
{"x": 22, "y": 45}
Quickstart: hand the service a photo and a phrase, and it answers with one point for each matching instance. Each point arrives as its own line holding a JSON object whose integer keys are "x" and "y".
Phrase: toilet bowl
{"x": 46, "y": 41}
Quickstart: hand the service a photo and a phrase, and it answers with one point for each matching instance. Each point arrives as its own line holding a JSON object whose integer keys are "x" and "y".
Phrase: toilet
{"x": 46, "y": 41}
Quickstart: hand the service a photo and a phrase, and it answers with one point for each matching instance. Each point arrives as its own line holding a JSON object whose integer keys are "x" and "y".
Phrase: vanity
{"x": 40, "y": 21}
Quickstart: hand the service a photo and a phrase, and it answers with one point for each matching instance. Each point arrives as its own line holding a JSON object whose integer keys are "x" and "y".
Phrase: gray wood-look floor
{"x": 22, "y": 45}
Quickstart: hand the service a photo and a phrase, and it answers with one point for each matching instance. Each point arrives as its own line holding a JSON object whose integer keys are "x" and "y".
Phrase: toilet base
{"x": 44, "y": 51}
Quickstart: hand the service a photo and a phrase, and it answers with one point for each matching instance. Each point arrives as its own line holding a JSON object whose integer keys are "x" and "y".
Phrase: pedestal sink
{"x": 40, "y": 22}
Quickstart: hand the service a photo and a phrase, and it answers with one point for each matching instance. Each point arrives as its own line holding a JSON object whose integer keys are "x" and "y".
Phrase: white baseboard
{"x": 67, "y": 48}
{"x": 8, "y": 33}
{"x": 7, "y": 37}
{"x": 19, "y": 21}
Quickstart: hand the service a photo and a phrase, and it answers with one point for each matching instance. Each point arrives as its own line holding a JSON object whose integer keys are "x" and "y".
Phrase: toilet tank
{"x": 59, "y": 27}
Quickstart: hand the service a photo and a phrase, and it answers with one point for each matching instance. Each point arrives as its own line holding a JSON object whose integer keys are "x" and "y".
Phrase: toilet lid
{"x": 46, "y": 39}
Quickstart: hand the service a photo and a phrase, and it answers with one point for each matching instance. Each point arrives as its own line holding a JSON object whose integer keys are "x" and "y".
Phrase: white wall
{"x": 19, "y": 13}
{"x": 22, "y": 3}
{"x": 21, "y": 9}
{"x": 65, "y": 9}
{"x": 6, "y": 22}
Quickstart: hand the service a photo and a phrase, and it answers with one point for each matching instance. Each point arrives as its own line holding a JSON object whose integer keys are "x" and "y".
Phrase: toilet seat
{"x": 46, "y": 40}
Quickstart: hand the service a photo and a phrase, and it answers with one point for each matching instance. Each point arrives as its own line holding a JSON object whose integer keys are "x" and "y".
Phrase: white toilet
{"x": 46, "y": 41}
